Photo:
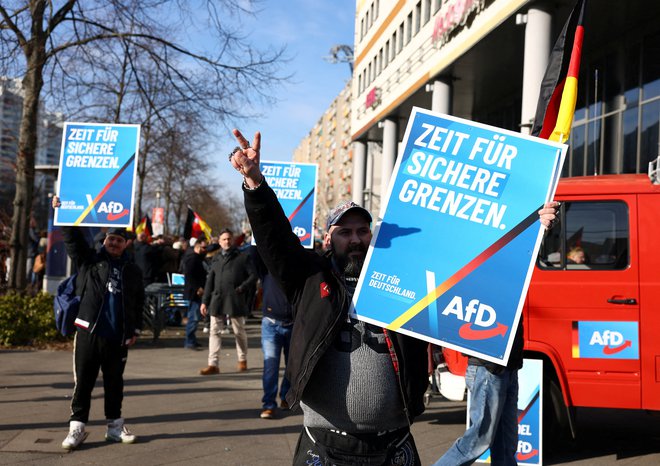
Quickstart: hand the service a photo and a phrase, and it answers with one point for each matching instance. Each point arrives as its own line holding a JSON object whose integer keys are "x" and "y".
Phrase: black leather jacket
{"x": 93, "y": 270}
{"x": 319, "y": 303}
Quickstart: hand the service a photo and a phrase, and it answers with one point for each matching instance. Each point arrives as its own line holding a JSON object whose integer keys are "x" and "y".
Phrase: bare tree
{"x": 60, "y": 40}
{"x": 184, "y": 178}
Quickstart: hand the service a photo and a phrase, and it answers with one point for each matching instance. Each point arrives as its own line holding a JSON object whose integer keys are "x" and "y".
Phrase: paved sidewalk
{"x": 187, "y": 419}
{"x": 179, "y": 416}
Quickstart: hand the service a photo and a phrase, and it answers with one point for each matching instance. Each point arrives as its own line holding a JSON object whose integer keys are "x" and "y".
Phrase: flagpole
{"x": 595, "y": 126}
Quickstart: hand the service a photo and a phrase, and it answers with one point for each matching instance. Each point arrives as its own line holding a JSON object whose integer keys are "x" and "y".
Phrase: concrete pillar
{"x": 390, "y": 144}
{"x": 538, "y": 43}
{"x": 441, "y": 97}
{"x": 359, "y": 171}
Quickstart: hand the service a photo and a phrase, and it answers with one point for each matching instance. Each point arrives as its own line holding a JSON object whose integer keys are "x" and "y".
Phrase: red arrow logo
{"x": 113, "y": 217}
{"x": 617, "y": 349}
{"x": 466, "y": 332}
{"x": 526, "y": 456}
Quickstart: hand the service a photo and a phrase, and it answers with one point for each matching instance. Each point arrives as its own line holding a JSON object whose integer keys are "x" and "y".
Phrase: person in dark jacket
{"x": 276, "y": 327}
{"x": 194, "y": 272}
{"x": 109, "y": 320}
{"x": 147, "y": 257}
{"x": 494, "y": 399}
{"x": 359, "y": 386}
{"x": 232, "y": 274}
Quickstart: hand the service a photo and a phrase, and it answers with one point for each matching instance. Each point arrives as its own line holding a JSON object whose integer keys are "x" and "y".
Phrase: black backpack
{"x": 66, "y": 305}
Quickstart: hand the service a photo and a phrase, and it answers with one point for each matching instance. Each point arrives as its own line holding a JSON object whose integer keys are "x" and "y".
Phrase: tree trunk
{"x": 27, "y": 145}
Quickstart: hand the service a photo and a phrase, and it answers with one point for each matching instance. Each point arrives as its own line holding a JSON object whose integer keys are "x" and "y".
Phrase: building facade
{"x": 49, "y": 134}
{"x": 328, "y": 145}
{"x": 484, "y": 60}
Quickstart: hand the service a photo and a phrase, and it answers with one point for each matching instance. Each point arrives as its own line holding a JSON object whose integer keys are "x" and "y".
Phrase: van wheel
{"x": 556, "y": 421}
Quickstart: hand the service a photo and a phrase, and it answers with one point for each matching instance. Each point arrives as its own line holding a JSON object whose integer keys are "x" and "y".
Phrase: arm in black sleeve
{"x": 76, "y": 245}
{"x": 285, "y": 258}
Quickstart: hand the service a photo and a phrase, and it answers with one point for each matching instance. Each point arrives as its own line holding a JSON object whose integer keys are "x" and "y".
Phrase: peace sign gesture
{"x": 245, "y": 158}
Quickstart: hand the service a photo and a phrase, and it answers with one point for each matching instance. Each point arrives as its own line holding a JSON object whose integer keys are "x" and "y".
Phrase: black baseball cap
{"x": 338, "y": 212}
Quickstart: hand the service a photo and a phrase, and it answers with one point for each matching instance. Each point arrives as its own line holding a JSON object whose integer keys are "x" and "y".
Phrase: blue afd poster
{"x": 96, "y": 181}
{"x": 451, "y": 259}
{"x": 530, "y": 415}
{"x": 295, "y": 187}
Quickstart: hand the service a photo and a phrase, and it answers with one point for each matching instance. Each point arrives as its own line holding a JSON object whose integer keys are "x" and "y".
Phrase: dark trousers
{"x": 91, "y": 353}
{"x": 322, "y": 447}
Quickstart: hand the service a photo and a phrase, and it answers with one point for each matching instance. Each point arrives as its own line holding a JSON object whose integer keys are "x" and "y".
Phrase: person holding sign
{"x": 359, "y": 386}
{"x": 494, "y": 399}
{"x": 108, "y": 322}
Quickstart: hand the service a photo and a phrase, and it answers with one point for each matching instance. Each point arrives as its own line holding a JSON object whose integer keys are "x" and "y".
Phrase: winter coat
{"x": 320, "y": 303}
{"x": 93, "y": 270}
{"x": 228, "y": 284}
{"x": 195, "y": 275}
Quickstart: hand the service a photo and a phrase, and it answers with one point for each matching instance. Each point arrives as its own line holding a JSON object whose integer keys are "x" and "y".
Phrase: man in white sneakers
{"x": 109, "y": 319}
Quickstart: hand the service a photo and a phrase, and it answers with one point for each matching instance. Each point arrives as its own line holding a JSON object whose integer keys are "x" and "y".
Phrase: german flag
{"x": 145, "y": 227}
{"x": 196, "y": 227}
{"x": 556, "y": 105}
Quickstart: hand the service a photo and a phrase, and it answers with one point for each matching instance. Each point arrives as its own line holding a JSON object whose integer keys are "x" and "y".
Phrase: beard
{"x": 351, "y": 265}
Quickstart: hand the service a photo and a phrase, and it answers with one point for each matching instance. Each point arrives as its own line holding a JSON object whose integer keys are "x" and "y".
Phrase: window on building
{"x": 361, "y": 28}
{"x": 381, "y": 64}
{"x": 418, "y": 17}
{"x": 393, "y": 50}
{"x": 386, "y": 56}
{"x": 592, "y": 235}
{"x": 616, "y": 127}
{"x": 399, "y": 46}
{"x": 409, "y": 23}
{"x": 427, "y": 11}
{"x": 436, "y": 5}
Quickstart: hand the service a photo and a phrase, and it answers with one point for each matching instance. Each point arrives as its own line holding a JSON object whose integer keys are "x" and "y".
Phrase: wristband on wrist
{"x": 247, "y": 188}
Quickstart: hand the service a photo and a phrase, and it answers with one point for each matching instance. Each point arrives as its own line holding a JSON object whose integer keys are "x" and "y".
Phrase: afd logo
{"x": 611, "y": 342}
{"x": 479, "y": 318}
{"x": 608, "y": 340}
{"x": 114, "y": 210}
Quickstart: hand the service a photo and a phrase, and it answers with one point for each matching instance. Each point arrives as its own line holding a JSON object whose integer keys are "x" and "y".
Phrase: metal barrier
{"x": 163, "y": 305}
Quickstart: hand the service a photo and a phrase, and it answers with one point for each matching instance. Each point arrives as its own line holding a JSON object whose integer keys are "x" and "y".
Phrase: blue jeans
{"x": 493, "y": 419}
{"x": 191, "y": 326}
{"x": 275, "y": 338}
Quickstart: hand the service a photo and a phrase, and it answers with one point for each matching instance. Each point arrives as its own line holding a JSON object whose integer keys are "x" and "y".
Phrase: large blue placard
{"x": 96, "y": 181}
{"x": 295, "y": 187}
{"x": 451, "y": 259}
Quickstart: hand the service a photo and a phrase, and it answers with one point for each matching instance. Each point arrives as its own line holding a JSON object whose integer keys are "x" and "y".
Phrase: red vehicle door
{"x": 584, "y": 300}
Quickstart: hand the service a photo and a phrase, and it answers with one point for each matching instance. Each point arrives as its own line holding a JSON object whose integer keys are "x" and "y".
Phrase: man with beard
{"x": 359, "y": 385}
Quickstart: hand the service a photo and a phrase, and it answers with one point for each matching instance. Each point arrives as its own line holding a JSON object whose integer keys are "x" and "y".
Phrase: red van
{"x": 592, "y": 312}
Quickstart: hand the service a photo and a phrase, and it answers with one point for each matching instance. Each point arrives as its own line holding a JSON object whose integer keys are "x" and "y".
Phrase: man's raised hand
{"x": 245, "y": 158}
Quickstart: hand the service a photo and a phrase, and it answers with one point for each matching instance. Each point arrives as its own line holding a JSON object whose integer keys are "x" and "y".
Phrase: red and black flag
{"x": 145, "y": 227}
{"x": 196, "y": 227}
{"x": 556, "y": 106}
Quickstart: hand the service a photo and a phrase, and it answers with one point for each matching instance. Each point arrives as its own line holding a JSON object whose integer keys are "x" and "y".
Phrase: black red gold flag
{"x": 196, "y": 227}
{"x": 556, "y": 105}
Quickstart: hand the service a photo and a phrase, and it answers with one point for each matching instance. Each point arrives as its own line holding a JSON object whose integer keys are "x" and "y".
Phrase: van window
{"x": 591, "y": 235}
